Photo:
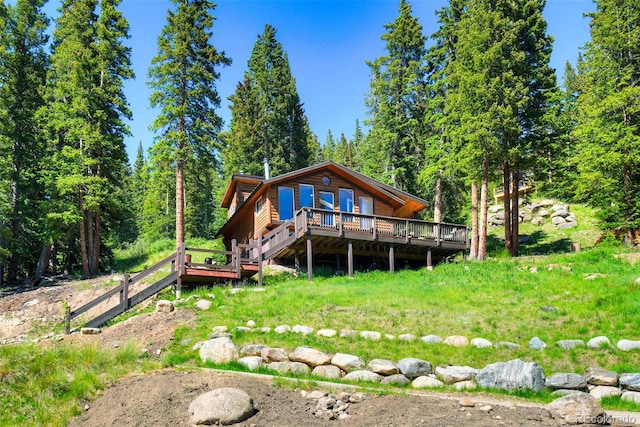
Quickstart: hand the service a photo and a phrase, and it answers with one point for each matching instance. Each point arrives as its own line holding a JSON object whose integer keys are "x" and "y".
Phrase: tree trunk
{"x": 473, "y": 251}
{"x": 43, "y": 262}
{"x": 515, "y": 211}
{"x": 179, "y": 202}
{"x": 90, "y": 237}
{"x": 484, "y": 195}
{"x": 97, "y": 236}
{"x": 506, "y": 203}
{"x": 83, "y": 237}
{"x": 437, "y": 206}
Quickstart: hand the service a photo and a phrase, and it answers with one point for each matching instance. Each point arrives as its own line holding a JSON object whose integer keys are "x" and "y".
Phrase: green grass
{"x": 46, "y": 386}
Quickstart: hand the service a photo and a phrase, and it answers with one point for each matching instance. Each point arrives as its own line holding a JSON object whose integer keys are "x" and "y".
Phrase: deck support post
{"x": 296, "y": 260}
{"x": 309, "y": 259}
{"x": 429, "y": 261}
{"x": 338, "y": 266}
{"x": 259, "y": 244}
{"x": 237, "y": 254}
{"x": 350, "y": 258}
{"x": 392, "y": 259}
{"x": 180, "y": 269}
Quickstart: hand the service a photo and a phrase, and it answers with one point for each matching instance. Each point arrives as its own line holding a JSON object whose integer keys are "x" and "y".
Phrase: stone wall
{"x": 537, "y": 213}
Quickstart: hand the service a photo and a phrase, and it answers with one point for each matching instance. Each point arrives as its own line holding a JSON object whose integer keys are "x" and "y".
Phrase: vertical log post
{"x": 429, "y": 261}
{"x": 309, "y": 259}
{"x": 238, "y": 262}
{"x": 259, "y": 243}
{"x": 392, "y": 259}
{"x": 350, "y": 258}
{"x": 125, "y": 293}
{"x": 67, "y": 318}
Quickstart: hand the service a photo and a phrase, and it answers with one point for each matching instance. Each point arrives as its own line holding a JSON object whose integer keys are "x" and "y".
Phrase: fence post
{"x": 125, "y": 293}
{"x": 67, "y": 318}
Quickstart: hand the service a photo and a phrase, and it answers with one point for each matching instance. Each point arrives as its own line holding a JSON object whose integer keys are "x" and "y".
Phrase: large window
{"x": 285, "y": 203}
{"x": 366, "y": 208}
{"x": 305, "y": 194}
{"x": 346, "y": 200}
{"x": 327, "y": 203}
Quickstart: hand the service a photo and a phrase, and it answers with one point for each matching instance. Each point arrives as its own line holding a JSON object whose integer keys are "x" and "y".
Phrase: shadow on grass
{"x": 535, "y": 243}
{"x": 130, "y": 263}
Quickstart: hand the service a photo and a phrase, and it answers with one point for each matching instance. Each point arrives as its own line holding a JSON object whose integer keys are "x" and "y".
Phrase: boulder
{"x": 396, "y": 379}
{"x": 507, "y": 344}
{"x": 251, "y": 324}
{"x": 414, "y": 368}
{"x": 279, "y": 367}
{"x": 626, "y": 345}
{"x": 251, "y": 362}
{"x": 601, "y": 391}
{"x": 570, "y": 344}
{"x": 371, "y": 335}
{"x": 480, "y": 343}
{"x": 347, "y": 362}
{"x": 454, "y": 374}
{"x": 457, "y": 341}
{"x": 269, "y": 355}
{"x": 578, "y": 408}
{"x": 382, "y": 367}
{"x": 218, "y": 350}
{"x": 310, "y": 356}
{"x": 164, "y": 306}
{"x": 568, "y": 224}
{"x": 327, "y": 371}
{"x": 363, "y": 375}
{"x": 203, "y": 304}
{"x": 406, "y": 337}
{"x": 223, "y": 406}
{"x": 599, "y": 342}
{"x": 631, "y": 396}
{"x": 630, "y": 382}
{"x": 512, "y": 375}
{"x": 465, "y": 385}
{"x": 327, "y": 333}
{"x": 348, "y": 333}
{"x": 301, "y": 329}
{"x": 431, "y": 339}
{"x": 566, "y": 381}
{"x": 598, "y": 376}
{"x": 282, "y": 329}
{"x": 536, "y": 343}
{"x": 252, "y": 349}
{"x": 299, "y": 368}
{"x": 426, "y": 382}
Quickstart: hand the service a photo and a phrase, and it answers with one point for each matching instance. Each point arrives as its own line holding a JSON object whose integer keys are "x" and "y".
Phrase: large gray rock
{"x": 512, "y": 375}
{"x": 251, "y": 362}
{"x": 598, "y": 376}
{"x": 327, "y": 371}
{"x": 282, "y": 329}
{"x": 480, "y": 343}
{"x": 396, "y": 379}
{"x": 626, "y": 345}
{"x": 363, "y": 375}
{"x": 218, "y": 350}
{"x": 454, "y": 374}
{"x": 299, "y": 368}
{"x": 302, "y": 329}
{"x": 578, "y": 408}
{"x": 252, "y": 349}
{"x": 631, "y": 396}
{"x": 164, "y": 306}
{"x": 270, "y": 354}
{"x": 431, "y": 339}
{"x": 382, "y": 367}
{"x": 599, "y": 342}
{"x": 566, "y": 381}
{"x": 222, "y": 406}
{"x": 370, "y": 335}
{"x": 310, "y": 356}
{"x": 279, "y": 367}
{"x": 426, "y": 382}
{"x": 412, "y": 368}
{"x": 630, "y": 381}
{"x": 347, "y": 362}
{"x": 203, "y": 304}
{"x": 536, "y": 343}
{"x": 456, "y": 341}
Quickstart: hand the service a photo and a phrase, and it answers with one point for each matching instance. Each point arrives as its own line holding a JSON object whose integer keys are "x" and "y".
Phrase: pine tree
{"x": 85, "y": 113}
{"x": 183, "y": 78}
{"x": 268, "y": 121}
{"x": 609, "y": 117}
{"x": 397, "y": 103}
{"x": 23, "y": 60}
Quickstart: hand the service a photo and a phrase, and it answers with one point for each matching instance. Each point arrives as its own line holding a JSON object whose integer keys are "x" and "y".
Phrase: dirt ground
{"x": 162, "y": 398}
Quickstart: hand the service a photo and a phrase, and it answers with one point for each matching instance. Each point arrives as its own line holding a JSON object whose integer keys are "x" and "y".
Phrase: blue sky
{"x": 327, "y": 41}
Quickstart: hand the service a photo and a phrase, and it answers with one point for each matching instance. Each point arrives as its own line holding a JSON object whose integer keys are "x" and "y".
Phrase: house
{"x": 330, "y": 214}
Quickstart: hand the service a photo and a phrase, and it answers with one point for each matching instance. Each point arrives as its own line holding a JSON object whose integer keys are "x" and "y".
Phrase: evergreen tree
{"x": 329, "y": 147}
{"x": 268, "y": 121}
{"x": 356, "y": 146}
{"x": 183, "y": 78}
{"x": 397, "y": 103}
{"x": 23, "y": 61}
{"x": 85, "y": 113}
{"x": 609, "y": 117}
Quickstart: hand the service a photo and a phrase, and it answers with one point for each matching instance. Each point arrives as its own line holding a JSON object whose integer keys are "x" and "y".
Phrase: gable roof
{"x": 404, "y": 203}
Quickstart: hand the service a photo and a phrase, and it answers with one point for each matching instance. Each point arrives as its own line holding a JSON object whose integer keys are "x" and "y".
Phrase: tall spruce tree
{"x": 267, "y": 116}
{"x": 23, "y": 61}
{"x": 183, "y": 78}
{"x": 397, "y": 103}
{"x": 609, "y": 117}
{"x": 85, "y": 113}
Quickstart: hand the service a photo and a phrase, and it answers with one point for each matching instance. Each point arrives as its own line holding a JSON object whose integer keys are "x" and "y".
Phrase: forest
{"x": 451, "y": 116}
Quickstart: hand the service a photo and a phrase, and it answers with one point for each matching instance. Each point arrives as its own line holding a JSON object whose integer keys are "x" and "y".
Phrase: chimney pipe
{"x": 266, "y": 168}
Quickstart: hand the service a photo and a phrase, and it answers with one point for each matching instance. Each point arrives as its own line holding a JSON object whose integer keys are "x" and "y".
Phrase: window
{"x": 259, "y": 205}
{"x": 346, "y": 200}
{"x": 366, "y": 208}
{"x": 285, "y": 203}
{"x": 305, "y": 194}
{"x": 326, "y": 202}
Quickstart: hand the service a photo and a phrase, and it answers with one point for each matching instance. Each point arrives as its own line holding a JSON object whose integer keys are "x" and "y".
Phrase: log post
{"x": 67, "y": 318}
{"x": 350, "y": 258}
{"x": 309, "y": 259}
{"x": 125, "y": 292}
{"x": 259, "y": 242}
{"x": 429, "y": 261}
{"x": 392, "y": 259}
